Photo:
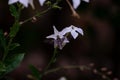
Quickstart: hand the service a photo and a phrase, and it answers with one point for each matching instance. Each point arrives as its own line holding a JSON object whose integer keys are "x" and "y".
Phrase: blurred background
{"x": 100, "y": 44}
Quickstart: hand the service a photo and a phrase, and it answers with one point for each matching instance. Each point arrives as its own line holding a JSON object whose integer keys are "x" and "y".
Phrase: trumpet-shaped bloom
{"x": 59, "y": 39}
{"x": 41, "y": 2}
{"x": 24, "y": 2}
{"x": 74, "y": 31}
{"x": 76, "y": 3}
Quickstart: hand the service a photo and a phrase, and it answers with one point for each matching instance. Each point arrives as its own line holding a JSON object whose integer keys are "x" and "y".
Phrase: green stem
{"x": 37, "y": 15}
{"x": 52, "y": 59}
{"x": 6, "y": 51}
{"x": 41, "y": 13}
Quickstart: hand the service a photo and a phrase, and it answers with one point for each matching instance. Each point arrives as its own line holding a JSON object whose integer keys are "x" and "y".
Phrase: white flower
{"x": 59, "y": 39}
{"x": 56, "y": 34}
{"x": 74, "y": 31}
{"x": 24, "y": 2}
{"x": 76, "y": 3}
{"x": 63, "y": 78}
{"x": 41, "y": 2}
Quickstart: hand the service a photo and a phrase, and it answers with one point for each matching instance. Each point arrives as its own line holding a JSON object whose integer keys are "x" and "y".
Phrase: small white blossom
{"x": 24, "y": 2}
{"x": 59, "y": 39}
{"x": 74, "y": 31}
{"x": 41, "y": 2}
{"x": 56, "y": 34}
{"x": 63, "y": 78}
{"x": 76, "y": 3}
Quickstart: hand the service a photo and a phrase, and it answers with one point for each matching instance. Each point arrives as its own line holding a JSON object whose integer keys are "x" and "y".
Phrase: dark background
{"x": 100, "y": 44}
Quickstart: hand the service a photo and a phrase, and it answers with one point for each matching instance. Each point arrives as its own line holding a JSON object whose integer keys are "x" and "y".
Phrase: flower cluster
{"x": 60, "y": 38}
{"x": 25, "y": 3}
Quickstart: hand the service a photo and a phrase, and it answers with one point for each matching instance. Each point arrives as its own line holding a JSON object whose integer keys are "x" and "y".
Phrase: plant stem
{"x": 41, "y": 13}
{"x": 74, "y": 13}
{"x": 6, "y": 51}
{"x": 52, "y": 59}
{"x": 37, "y": 15}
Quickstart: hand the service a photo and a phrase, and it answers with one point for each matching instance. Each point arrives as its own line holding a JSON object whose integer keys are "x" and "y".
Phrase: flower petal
{"x": 66, "y": 30}
{"x": 74, "y": 34}
{"x": 66, "y": 40}
{"x": 76, "y": 3}
{"x": 12, "y": 1}
{"x": 31, "y": 3}
{"x": 41, "y": 2}
{"x": 55, "y": 30}
{"x": 52, "y": 36}
{"x": 86, "y": 0}
{"x": 24, "y": 2}
{"x": 79, "y": 30}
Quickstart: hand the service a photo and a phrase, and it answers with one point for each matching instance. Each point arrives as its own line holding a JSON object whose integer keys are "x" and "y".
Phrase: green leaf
{"x": 55, "y": 6}
{"x": 35, "y": 72}
{"x": 14, "y": 11}
{"x": 13, "y": 61}
{"x": 10, "y": 64}
{"x": 13, "y": 46}
{"x": 2, "y": 39}
{"x": 14, "y": 29}
{"x": 2, "y": 67}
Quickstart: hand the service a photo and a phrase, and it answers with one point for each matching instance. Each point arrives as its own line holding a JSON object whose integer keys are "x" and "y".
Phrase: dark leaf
{"x": 2, "y": 39}
{"x": 13, "y": 46}
{"x": 14, "y": 29}
{"x": 14, "y": 11}
{"x": 10, "y": 64}
{"x": 35, "y": 72}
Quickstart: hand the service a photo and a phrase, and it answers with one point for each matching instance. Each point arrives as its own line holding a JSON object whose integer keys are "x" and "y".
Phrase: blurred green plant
{"x": 8, "y": 61}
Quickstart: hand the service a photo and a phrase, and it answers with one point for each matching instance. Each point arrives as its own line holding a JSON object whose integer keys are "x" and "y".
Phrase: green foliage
{"x": 35, "y": 72}
{"x": 13, "y": 61}
{"x": 2, "y": 68}
{"x": 10, "y": 64}
{"x": 2, "y": 39}
{"x": 14, "y": 11}
{"x": 55, "y": 6}
{"x": 14, "y": 30}
{"x": 16, "y": 14}
{"x": 13, "y": 46}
